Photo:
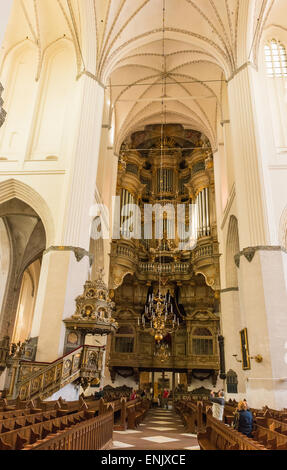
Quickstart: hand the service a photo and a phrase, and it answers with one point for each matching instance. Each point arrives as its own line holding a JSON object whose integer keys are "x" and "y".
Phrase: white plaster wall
{"x": 56, "y": 103}
{"x": 68, "y": 393}
{"x": 18, "y": 75}
{"x": 5, "y": 6}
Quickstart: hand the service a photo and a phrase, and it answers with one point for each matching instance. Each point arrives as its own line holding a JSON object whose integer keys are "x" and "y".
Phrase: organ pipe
{"x": 203, "y": 218}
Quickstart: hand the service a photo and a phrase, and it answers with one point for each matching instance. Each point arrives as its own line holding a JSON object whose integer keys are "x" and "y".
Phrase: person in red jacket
{"x": 165, "y": 398}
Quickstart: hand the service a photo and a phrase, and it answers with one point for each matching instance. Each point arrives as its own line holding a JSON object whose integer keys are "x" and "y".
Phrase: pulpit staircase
{"x": 31, "y": 380}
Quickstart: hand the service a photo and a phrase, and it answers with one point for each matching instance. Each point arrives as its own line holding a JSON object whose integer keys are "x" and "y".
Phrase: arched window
{"x": 202, "y": 342}
{"x": 231, "y": 381}
{"x": 276, "y": 59}
{"x": 124, "y": 341}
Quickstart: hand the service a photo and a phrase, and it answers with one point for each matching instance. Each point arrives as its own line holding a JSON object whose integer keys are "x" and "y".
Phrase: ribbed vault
{"x": 119, "y": 43}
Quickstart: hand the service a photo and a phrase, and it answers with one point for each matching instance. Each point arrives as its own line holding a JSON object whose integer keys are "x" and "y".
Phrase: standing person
{"x": 243, "y": 421}
{"x": 165, "y": 398}
{"x": 218, "y": 405}
{"x": 134, "y": 395}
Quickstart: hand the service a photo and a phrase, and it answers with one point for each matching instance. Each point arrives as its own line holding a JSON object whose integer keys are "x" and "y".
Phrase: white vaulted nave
{"x": 143, "y": 222}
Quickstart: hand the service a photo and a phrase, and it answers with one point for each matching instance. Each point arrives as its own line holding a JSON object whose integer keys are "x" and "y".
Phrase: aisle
{"x": 161, "y": 430}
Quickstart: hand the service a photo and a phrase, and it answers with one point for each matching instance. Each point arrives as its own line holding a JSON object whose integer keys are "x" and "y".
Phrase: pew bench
{"x": 29, "y": 419}
{"x": 269, "y": 438}
{"x": 17, "y": 439}
{"x": 219, "y": 436}
{"x": 273, "y": 424}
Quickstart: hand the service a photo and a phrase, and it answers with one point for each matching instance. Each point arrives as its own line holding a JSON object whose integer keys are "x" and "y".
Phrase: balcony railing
{"x": 205, "y": 251}
{"x": 168, "y": 268}
{"x": 126, "y": 252}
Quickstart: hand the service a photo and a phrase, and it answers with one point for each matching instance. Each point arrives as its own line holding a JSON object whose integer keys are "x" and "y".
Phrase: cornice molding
{"x": 249, "y": 252}
{"x": 92, "y": 76}
{"x": 229, "y": 289}
{"x": 29, "y": 172}
{"x": 239, "y": 69}
{"x": 79, "y": 253}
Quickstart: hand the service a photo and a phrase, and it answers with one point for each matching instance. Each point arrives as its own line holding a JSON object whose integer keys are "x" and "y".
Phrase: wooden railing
{"x": 95, "y": 434}
{"x": 42, "y": 380}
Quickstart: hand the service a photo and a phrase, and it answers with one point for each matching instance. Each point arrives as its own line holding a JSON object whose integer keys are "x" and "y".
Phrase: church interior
{"x": 143, "y": 224}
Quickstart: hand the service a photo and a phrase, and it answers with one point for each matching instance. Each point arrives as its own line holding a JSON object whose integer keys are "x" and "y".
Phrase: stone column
{"x": 247, "y": 162}
{"x": 66, "y": 265}
{"x": 261, "y": 267}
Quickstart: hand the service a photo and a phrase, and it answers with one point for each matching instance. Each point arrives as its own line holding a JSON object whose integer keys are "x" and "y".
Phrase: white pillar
{"x": 65, "y": 267}
{"x": 262, "y": 288}
{"x": 247, "y": 163}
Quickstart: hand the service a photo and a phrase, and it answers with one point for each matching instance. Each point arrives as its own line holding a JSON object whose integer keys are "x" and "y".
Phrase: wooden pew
{"x": 18, "y": 438}
{"x": 192, "y": 415}
{"x": 188, "y": 413}
{"x": 270, "y": 439}
{"x": 93, "y": 434}
{"x": 122, "y": 423}
{"x": 27, "y": 420}
{"x": 273, "y": 424}
{"x": 13, "y": 414}
{"x": 219, "y": 436}
{"x": 136, "y": 411}
{"x": 48, "y": 405}
{"x": 71, "y": 406}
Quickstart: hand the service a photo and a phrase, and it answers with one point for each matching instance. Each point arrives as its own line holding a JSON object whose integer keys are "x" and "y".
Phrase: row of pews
{"x": 269, "y": 433}
{"x": 61, "y": 425}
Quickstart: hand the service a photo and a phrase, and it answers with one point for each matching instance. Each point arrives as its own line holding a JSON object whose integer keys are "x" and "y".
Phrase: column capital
{"x": 250, "y": 251}
{"x": 79, "y": 253}
{"x": 240, "y": 69}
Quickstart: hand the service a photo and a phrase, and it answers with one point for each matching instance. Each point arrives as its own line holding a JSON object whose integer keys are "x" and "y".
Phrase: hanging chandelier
{"x": 159, "y": 316}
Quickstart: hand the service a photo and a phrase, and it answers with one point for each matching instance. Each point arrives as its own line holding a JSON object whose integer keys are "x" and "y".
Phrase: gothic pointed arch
{"x": 12, "y": 188}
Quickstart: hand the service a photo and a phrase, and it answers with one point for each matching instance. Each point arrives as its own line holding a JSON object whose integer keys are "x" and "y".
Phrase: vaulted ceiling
{"x": 120, "y": 43}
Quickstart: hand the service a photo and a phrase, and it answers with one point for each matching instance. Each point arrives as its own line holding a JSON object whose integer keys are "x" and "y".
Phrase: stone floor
{"x": 160, "y": 430}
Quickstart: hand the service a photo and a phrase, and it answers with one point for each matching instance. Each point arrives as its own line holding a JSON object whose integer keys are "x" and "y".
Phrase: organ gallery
{"x": 143, "y": 225}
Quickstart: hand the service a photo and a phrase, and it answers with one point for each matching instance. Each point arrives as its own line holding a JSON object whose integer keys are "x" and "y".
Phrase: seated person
{"x": 98, "y": 395}
{"x": 218, "y": 405}
{"x": 243, "y": 419}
